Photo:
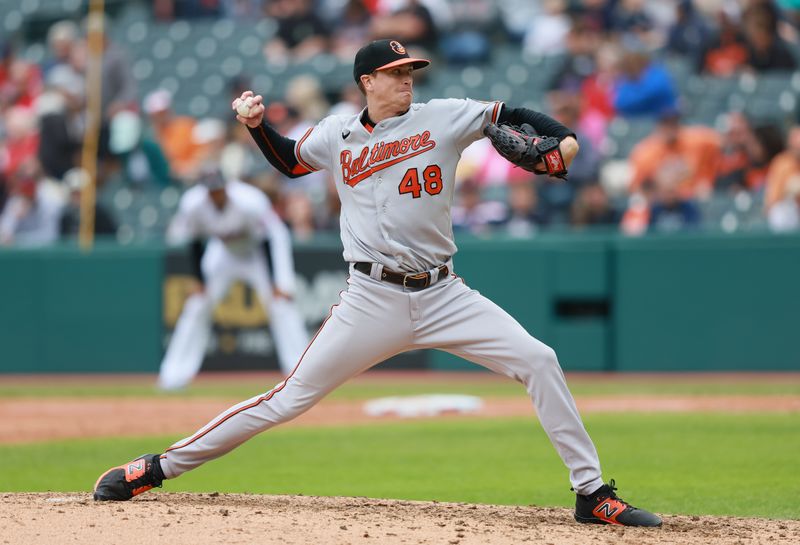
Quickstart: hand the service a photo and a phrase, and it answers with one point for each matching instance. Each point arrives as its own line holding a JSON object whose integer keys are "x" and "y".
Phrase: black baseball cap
{"x": 383, "y": 54}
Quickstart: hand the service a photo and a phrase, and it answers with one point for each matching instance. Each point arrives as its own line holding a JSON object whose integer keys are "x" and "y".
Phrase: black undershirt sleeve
{"x": 544, "y": 125}
{"x": 278, "y": 149}
{"x": 196, "y": 249}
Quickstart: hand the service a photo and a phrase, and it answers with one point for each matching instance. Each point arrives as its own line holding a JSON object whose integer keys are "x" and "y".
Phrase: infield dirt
{"x": 200, "y": 519}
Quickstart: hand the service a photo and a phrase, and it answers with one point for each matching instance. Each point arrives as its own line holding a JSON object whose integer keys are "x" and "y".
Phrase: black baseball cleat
{"x": 123, "y": 482}
{"x": 604, "y": 507}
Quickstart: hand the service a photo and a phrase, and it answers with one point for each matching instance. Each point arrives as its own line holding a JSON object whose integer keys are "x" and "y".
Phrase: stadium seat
{"x": 517, "y": 74}
{"x": 206, "y": 47}
{"x": 126, "y": 234}
{"x": 122, "y": 199}
{"x": 250, "y": 46}
{"x": 179, "y": 31}
{"x": 169, "y": 198}
{"x": 187, "y": 67}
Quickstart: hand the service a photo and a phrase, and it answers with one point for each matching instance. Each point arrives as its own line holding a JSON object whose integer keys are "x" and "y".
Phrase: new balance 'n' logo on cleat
{"x": 605, "y": 507}
{"x": 126, "y": 481}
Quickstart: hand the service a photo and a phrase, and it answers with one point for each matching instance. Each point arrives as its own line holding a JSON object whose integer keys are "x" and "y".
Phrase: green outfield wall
{"x": 64, "y": 311}
{"x": 701, "y": 302}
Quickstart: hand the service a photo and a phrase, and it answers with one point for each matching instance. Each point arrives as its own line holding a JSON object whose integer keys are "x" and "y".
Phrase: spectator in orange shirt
{"x": 744, "y": 156}
{"x": 697, "y": 147}
{"x": 173, "y": 133}
{"x": 784, "y": 168}
{"x": 724, "y": 54}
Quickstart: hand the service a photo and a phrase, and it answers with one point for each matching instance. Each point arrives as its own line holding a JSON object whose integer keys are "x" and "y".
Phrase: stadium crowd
{"x": 615, "y": 64}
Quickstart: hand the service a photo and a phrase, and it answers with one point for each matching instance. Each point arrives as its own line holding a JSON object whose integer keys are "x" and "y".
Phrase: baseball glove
{"x": 521, "y": 146}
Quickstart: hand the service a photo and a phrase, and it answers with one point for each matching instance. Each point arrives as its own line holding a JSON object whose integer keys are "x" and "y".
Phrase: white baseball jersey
{"x": 246, "y": 220}
{"x": 395, "y": 183}
{"x": 234, "y": 252}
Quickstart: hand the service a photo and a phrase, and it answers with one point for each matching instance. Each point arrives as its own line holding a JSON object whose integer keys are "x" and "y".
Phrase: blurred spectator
{"x": 301, "y": 33}
{"x": 21, "y": 141}
{"x": 548, "y": 32}
{"x": 783, "y": 170}
{"x": 515, "y": 16}
{"x": 670, "y": 210}
{"x": 582, "y": 44}
{"x": 645, "y": 87}
{"x": 598, "y": 13}
{"x": 209, "y": 135}
{"x": 766, "y": 50}
{"x": 743, "y": 159}
{"x": 468, "y": 41}
{"x": 790, "y": 9}
{"x": 242, "y": 10}
{"x": 352, "y": 30}
{"x": 784, "y": 215}
{"x": 690, "y": 31}
{"x": 69, "y": 225}
{"x": 30, "y": 216}
{"x": 724, "y": 53}
{"x": 305, "y": 95}
{"x": 167, "y": 10}
{"x": 636, "y": 218}
{"x": 306, "y": 105}
{"x": 299, "y": 214}
{"x": 696, "y": 146}
{"x": 20, "y": 81}
{"x": 592, "y": 208}
{"x": 62, "y": 38}
{"x": 472, "y": 214}
{"x": 440, "y": 10}
{"x": 350, "y": 102}
{"x": 118, "y": 86}
{"x": 142, "y": 160}
{"x": 629, "y": 18}
{"x": 240, "y": 157}
{"x": 172, "y": 133}
{"x": 412, "y": 24}
{"x": 329, "y": 215}
{"x": 523, "y": 217}
{"x": 597, "y": 92}
{"x": 61, "y": 121}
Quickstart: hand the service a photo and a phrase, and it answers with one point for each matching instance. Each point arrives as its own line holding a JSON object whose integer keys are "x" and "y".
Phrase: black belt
{"x": 407, "y": 280}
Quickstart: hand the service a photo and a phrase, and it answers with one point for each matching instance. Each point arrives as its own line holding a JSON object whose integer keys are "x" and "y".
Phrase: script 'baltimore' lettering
{"x": 382, "y": 155}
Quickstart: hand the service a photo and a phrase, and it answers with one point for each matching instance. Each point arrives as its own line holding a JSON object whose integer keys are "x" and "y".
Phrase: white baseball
{"x": 244, "y": 107}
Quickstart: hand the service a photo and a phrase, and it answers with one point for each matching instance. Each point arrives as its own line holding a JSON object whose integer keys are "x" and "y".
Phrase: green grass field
{"x": 484, "y": 384}
{"x": 735, "y": 464}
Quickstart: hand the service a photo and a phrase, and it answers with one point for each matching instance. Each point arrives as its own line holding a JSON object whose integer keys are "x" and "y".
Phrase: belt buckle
{"x": 418, "y": 276}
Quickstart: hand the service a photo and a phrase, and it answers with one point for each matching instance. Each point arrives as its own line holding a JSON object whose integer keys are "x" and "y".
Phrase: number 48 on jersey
{"x": 431, "y": 181}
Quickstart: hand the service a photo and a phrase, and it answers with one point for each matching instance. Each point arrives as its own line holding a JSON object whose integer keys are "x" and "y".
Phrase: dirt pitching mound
{"x": 200, "y": 519}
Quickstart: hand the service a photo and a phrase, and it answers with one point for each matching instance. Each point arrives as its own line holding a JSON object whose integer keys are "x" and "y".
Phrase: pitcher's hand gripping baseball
{"x": 522, "y": 147}
{"x": 249, "y": 109}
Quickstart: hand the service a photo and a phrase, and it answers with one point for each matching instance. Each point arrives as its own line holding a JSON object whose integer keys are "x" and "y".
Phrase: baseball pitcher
{"x": 246, "y": 241}
{"x": 394, "y": 165}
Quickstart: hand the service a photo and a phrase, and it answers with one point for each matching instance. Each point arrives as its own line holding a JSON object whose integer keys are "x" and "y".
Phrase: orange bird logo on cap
{"x": 397, "y": 47}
